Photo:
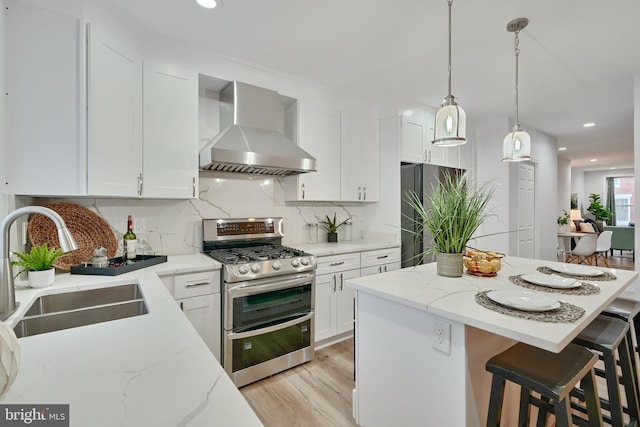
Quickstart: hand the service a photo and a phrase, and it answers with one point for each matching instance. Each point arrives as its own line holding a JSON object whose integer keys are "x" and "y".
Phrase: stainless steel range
{"x": 268, "y": 297}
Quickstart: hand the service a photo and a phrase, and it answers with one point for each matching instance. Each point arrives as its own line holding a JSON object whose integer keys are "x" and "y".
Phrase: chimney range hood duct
{"x": 250, "y": 142}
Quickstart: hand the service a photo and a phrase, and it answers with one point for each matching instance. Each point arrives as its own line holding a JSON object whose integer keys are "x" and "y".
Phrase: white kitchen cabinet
{"x": 198, "y": 295}
{"x": 360, "y": 159}
{"x": 318, "y": 133}
{"x": 45, "y": 107}
{"x": 170, "y": 123}
{"x": 114, "y": 98}
{"x": 417, "y": 134}
{"x": 379, "y": 261}
{"x": 334, "y": 299}
{"x": 75, "y": 112}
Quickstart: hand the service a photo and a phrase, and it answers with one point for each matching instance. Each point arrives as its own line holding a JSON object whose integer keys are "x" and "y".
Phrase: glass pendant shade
{"x": 516, "y": 146}
{"x": 450, "y": 126}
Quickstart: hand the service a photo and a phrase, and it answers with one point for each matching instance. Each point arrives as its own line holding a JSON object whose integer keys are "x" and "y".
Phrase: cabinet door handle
{"x": 194, "y": 187}
{"x": 181, "y": 305}
{"x": 140, "y": 184}
{"x": 379, "y": 269}
{"x": 385, "y": 268}
{"x": 201, "y": 283}
{"x": 302, "y": 191}
{"x": 359, "y": 193}
{"x": 333, "y": 264}
{"x": 334, "y": 282}
{"x": 364, "y": 191}
{"x": 341, "y": 281}
{"x": 383, "y": 256}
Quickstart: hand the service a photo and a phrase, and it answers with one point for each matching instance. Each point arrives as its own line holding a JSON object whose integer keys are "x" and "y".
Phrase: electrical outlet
{"x": 139, "y": 225}
{"x": 442, "y": 336}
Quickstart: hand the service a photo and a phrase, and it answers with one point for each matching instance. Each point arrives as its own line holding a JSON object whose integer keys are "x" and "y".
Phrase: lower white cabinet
{"x": 198, "y": 295}
{"x": 379, "y": 261}
{"x": 334, "y": 300}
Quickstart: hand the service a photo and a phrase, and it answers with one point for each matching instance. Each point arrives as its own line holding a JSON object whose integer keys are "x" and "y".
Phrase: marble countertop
{"x": 150, "y": 370}
{"x": 454, "y": 298}
{"x": 345, "y": 247}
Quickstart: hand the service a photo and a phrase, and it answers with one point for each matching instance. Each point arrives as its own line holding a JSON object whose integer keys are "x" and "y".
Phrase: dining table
{"x": 422, "y": 340}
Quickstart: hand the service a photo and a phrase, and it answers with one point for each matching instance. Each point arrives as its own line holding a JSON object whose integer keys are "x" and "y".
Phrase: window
{"x": 625, "y": 201}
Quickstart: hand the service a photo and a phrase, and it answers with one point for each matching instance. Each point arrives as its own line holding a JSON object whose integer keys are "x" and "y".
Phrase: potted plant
{"x": 600, "y": 213}
{"x": 563, "y": 221}
{"x": 38, "y": 262}
{"x": 451, "y": 213}
{"x": 331, "y": 226}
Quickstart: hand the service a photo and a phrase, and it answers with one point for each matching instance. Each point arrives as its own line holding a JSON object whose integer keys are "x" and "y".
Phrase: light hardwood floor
{"x": 316, "y": 394}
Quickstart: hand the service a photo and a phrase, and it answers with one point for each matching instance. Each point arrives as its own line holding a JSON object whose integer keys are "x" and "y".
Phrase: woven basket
{"x": 89, "y": 230}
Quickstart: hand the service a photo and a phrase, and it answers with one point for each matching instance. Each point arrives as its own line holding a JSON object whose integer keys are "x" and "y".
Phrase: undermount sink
{"x": 68, "y": 310}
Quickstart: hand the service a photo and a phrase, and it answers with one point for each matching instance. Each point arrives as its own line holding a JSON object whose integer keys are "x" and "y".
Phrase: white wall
{"x": 3, "y": 196}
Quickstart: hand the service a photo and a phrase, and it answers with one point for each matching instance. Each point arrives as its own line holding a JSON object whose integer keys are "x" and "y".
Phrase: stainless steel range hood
{"x": 250, "y": 142}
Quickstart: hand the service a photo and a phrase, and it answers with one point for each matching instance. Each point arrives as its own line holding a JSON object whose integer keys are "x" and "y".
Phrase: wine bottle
{"x": 129, "y": 241}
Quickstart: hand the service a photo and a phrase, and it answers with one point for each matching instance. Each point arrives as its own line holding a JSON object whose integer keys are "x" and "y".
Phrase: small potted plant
{"x": 331, "y": 226}
{"x": 38, "y": 262}
{"x": 563, "y": 221}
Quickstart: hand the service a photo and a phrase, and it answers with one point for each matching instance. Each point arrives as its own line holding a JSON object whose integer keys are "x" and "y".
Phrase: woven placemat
{"x": 583, "y": 289}
{"x": 567, "y": 313}
{"x": 89, "y": 230}
{"x": 601, "y": 277}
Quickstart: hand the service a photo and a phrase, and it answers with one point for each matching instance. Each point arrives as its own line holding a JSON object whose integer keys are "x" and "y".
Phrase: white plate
{"x": 523, "y": 300}
{"x": 551, "y": 281}
{"x": 578, "y": 270}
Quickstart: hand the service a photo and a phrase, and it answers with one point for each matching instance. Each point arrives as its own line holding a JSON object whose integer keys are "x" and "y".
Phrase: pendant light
{"x": 517, "y": 144}
{"x": 450, "y": 124}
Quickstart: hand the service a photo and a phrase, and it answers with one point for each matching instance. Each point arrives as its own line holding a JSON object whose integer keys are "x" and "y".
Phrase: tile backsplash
{"x": 174, "y": 227}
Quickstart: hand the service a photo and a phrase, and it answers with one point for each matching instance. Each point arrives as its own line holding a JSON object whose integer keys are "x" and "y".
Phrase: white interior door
{"x": 526, "y": 205}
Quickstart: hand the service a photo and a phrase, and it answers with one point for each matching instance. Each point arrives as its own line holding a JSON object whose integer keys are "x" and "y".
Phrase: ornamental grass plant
{"x": 451, "y": 213}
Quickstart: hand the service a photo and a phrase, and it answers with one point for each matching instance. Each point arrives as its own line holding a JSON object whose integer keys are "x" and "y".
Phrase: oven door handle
{"x": 268, "y": 285}
{"x": 272, "y": 328}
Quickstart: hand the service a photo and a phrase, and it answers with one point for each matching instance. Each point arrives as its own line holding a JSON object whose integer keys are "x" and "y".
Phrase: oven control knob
{"x": 304, "y": 261}
{"x": 255, "y": 268}
{"x": 243, "y": 269}
{"x": 295, "y": 262}
{"x": 276, "y": 265}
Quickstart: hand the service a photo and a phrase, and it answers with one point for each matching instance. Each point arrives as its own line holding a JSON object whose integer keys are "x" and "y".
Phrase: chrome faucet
{"x": 7, "y": 291}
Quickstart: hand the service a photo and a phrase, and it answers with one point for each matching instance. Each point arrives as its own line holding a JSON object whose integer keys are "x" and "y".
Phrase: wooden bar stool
{"x": 553, "y": 376}
{"x": 609, "y": 337}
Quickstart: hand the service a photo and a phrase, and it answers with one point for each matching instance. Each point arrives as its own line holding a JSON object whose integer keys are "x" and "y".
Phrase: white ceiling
{"x": 577, "y": 62}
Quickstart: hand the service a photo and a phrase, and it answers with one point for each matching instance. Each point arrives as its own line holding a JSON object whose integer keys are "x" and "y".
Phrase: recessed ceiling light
{"x": 210, "y": 4}
{"x": 612, "y": 167}
{"x": 562, "y": 148}
{"x": 594, "y": 160}
{"x": 589, "y": 124}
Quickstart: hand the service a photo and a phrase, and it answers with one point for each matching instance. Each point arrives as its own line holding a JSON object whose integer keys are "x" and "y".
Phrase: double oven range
{"x": 268, "y": 297}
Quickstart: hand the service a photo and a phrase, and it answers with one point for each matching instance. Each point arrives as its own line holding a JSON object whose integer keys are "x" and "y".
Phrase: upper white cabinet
{"x": 170, "y": 143}
{"x": 75, "y": 121}
{"x": 319, "y": 135}
{"x": 45, "y": 112}
{"x": 347, "y": 151}
{"x": 417, "y": 133}
{"x": 114, "y": 109}
{"x": 360, "y": 162}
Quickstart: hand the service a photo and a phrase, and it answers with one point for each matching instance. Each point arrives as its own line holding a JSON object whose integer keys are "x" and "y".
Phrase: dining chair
{"x": 584, "y": 251}
{"x": 603, "y": 244}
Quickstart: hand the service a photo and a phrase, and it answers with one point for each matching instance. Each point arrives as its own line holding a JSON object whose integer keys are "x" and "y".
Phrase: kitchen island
{"x": 148, "y": 370}
{"x": 402, "y": 379}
